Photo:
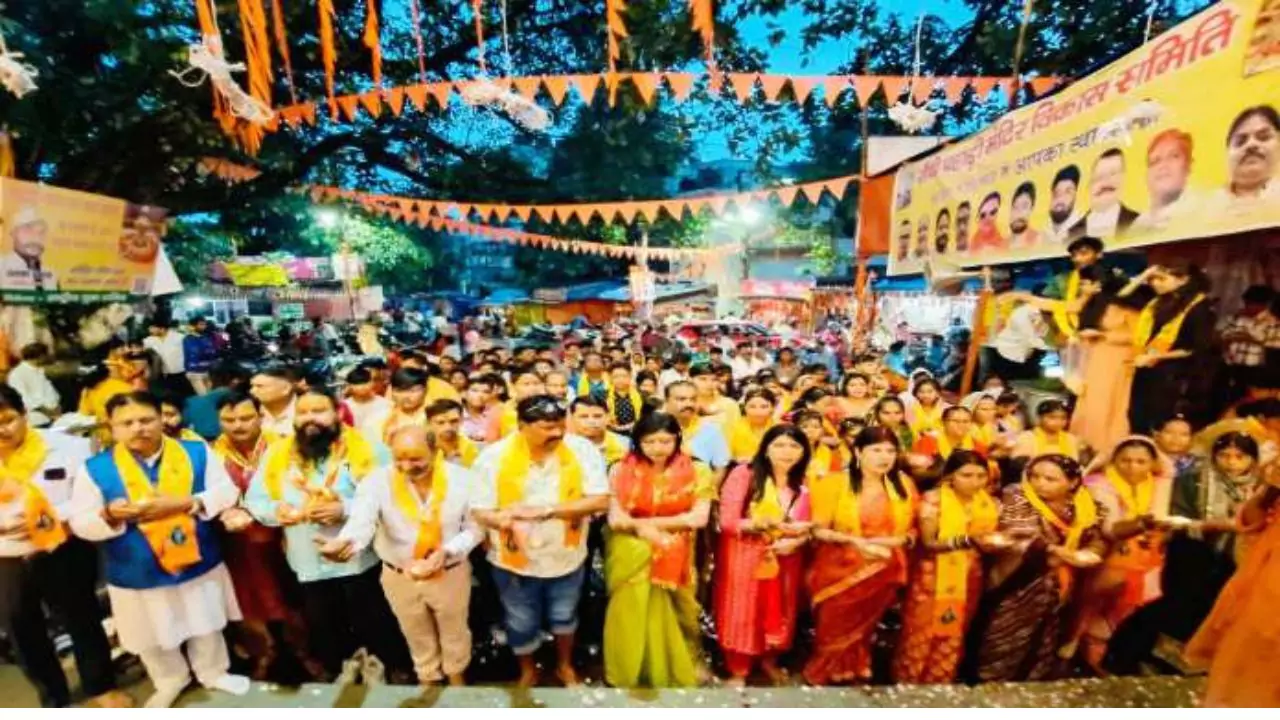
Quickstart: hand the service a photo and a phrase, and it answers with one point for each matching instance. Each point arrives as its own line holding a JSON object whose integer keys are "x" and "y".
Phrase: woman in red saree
{"x": 764, "y": 522}
{"x": 1240, "y": 641}
{"x": 863, "y": 522}
{"x": 957, "y": 525}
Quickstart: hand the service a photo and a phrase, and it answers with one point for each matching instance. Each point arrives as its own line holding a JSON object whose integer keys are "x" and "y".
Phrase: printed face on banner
{"x": 61, "y": 245}
{"x": 1125, "y": 155}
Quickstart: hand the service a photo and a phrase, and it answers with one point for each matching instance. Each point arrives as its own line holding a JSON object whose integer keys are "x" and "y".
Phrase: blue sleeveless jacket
{"x": 130, "y": 561}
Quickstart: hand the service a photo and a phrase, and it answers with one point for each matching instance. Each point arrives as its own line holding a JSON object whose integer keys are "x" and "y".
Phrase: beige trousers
{"x": 433, "y": 617}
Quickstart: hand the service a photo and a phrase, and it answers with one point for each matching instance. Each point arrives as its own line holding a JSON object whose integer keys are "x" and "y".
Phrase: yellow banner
{"x": 60, "y": 245}
{"x": 1179, "y": 139}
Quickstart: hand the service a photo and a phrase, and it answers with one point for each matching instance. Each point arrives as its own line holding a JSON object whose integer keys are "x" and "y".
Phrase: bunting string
{"x": 703, "y": 15}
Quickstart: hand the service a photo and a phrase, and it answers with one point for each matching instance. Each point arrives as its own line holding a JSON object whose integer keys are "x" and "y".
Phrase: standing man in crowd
{"x": 534, "y": 494}
{"x": 42, "y": 565}
{"x": 199, "y": 352}
{"x": 1251, "y": 344}
{"x": 416, "y": 515}
{"x": 444, "y": 418}
{"x": 152, "y": 501}
{"x": 166, "y": 342}
{"x": 276, "y": 389}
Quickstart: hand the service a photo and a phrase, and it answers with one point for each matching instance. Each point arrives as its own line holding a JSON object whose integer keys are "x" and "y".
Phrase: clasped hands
{"x": 321, "y": 512}
{"x": 118, "y": 512}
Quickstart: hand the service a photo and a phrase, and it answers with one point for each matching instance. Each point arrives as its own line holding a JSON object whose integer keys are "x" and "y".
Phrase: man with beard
{"x": 151, "y": 501}
{"x": 275, "y": 388}
{"x": 1253, "y": 154}
{"x": 704, "y": 440}
{"x": 988, "y": 235}
{"x": 942, "y": 232}
{"x": 963, "y": 216}
{"x": 444, "y": 418}
{"x": 408, "y": 406}
{"x": 589, "y": 418}
{"x": 922, "y": 239}
{"x": 1021, "y": 234}
{"x": 534, "y": 493}
{"x": 303, "y": 485}
{"x": 26, "y": 268}
{"x": 174, "y": 424}
{"x": 1062, "y": 204}
{"x": 415, "y": 513}
{"x": 254, "y": 552}
{"x": 40, "y": 565}
{"x": 1107, "y": 216}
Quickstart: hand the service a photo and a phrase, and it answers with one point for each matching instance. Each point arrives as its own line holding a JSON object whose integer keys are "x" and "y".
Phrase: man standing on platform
{"x": 151, "y": 500}
{"x": 535, "y": 492}
{"x": 444, "y": 418}
{"x": 40, "y": 564}
{"x": 415, "y": 514}
{"x": 304, "y": 484}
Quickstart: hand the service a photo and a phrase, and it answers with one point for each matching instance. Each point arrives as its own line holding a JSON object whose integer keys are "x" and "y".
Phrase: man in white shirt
{"x": 678, "y": 372}
{"x": 748, "y": 361}
{"x": 275, "y": 389}
{"x": 362, "y": 397}
{"x": 535, "y": 492}
{"x": 167, "y": 342}
{"x": 166, "y": 580}
{"x": 1015, "y": 351}
{"x": 38, "y": 394}
{"x": 40, "y": 564}
{"x": 416, "y": 515}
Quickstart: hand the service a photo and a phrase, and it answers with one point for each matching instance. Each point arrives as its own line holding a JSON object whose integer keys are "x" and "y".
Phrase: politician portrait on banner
{"x": 1126, "y": 154}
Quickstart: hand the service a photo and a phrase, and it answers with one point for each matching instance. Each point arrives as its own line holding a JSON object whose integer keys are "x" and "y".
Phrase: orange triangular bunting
{"x": 544, "y": 213}
{"x": 743, "y": 84}
{"x": 982, "y": 87}
{"x": 1003, "y": 85}
{"x": 893, "y": 87}
{"x": 527, "y": 87}
{"x": 674, "y": 208}
{"x": 772, "y": 85}
{"x": 309, "y": 113}
{"x": 483, "y": 212}
{"x": 646, "y": 84}
{"x": 787, "y": 195}
{"x": 832, "y": 87}
{"x": 291, "y": 116}
{"x": 557, "y": 87}
{"x": 811, "y": 192}
{"x": 650, "y": 210}
{"x": 1042, "y": 85}
{"x": 522, "y": 212}
{"x": 921, "y": 89}
{"x": 717, "y": 203}
{"x": 587, "y": 85}
{"x": 440, "y": 92}
{"x": 349, "y": 105}
{"x": 395, "y": 100}
{"x": 417, "y": 95}
{"x": 865, "y": 86}
{"x": 372, "y": 101}
{"x": 681, "y": 85}
{"x": 628, "y": 211}
{"x": 954, "y": 88}
{"x": 837, "y": 187}
{"x": 802, "y": 87}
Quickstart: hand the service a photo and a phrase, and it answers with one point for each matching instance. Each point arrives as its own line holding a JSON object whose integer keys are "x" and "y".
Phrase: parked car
{"x": 739, "y": 331}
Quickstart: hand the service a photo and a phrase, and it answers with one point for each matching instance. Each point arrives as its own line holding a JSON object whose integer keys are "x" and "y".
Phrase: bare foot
{"x": 567, "y": 676}
{"x": 528, "y": 678}
{"x": 775, "y": 674}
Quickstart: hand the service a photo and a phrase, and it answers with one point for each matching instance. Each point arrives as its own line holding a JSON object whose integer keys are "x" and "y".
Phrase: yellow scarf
{"x": 398, "y": 419}
{"x": 945, "y": 447}
{"x": 429, "y": 532}
{"x": 509, "y": 420}
{"x": 923, "y": 420}
{"x": 848, "y": 518}
{"x": 1086, "y": 514}
{"x": 955, "y": 519}
{"x": 744, "y": 440}
{"x": 819, "y": 464}
{"x": 636, "y": 403}
{"x": 985, "y": 434}
{"x": 512, "y": 469}
{"x": 173, "y": 539}
{"x": 18, "y": 477}
{"x": 584, "y": 385}
{"x": 467, "y": 453}
{"x": 226, "y": 450}
{"x": 1162, "y": 341}
{"x": 612, "y": 448}
{"x": 1064, "y": 445}
{"x": 768, "y": 507}
{"x": 1135, "y": 500}
{"x": 1068, "y": 322}
{"x": 352, "y": 450}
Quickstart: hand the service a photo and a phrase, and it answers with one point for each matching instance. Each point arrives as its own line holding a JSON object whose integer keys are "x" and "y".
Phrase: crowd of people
{"x": 747, "y": 514}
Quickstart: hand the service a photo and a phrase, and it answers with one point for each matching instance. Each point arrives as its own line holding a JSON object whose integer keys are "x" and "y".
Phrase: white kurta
{"x": 163, "y": 617}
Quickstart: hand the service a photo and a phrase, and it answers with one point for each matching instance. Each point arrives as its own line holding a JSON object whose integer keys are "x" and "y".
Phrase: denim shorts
{"x": 526, "y": 600}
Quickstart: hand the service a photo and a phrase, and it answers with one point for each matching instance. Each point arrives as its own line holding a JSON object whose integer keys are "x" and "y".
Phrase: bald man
{"x": 416, "y": 515}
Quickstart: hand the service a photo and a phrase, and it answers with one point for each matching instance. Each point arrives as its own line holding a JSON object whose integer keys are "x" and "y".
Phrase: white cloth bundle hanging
{"x": 17, "y": 77}
{"x": 206, "y": 61}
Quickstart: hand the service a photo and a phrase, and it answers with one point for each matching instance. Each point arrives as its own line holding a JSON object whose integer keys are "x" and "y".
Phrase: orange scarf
{"x": 644, "y": 493}
{"x": 173, "y": 539}
{"x": 18, "y": 478}
{"x": 430, "y": 534}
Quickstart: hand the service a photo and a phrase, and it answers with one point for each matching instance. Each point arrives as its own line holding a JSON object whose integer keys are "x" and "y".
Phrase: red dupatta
{"x": 644, "y": 493}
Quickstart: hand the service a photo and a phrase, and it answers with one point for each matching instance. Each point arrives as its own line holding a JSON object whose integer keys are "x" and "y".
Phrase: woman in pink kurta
{"x": 764, "y": 523}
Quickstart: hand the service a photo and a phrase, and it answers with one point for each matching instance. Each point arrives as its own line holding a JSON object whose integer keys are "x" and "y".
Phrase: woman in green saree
{"x": 661, "y": 498}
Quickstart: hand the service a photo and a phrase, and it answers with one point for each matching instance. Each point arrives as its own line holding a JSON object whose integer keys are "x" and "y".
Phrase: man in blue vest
{"x": 151, "y": 502}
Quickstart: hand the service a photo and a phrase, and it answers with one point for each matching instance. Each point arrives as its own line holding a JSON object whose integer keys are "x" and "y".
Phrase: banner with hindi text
{"x": 1177, "y": 140}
